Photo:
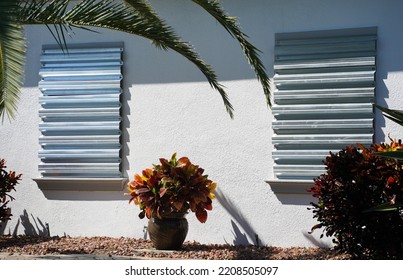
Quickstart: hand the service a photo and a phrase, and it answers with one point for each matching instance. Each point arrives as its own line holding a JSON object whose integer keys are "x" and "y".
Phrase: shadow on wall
{"x": 32, "y": 228}
{"x": 239, "y": 237}
{"x": 295, "y": 199}
{"x": 303, "y": 200}
{"x": 86, "y": 195}
{"x": 314, "y": 241}
{"x": 3, "y": 226}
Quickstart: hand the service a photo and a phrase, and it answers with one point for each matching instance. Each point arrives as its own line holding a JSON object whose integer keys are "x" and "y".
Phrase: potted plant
{"x": 166, "y": 193}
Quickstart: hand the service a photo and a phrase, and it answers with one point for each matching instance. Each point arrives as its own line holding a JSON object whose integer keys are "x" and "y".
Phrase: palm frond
{"x": 12, "y": 54}
{"x": 134, "y": 17}
{"x": 149, "y": 14}
{"x": 394, "y": 115}
{"x": 385, "y": 207}
{"x": 393, "y": 154}
{"x": 230, "y": 23}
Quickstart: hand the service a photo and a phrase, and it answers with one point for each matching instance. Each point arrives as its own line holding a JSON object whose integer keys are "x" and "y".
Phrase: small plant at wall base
{"x": 8, "y": 181}
{"x": 355, "y": 182}
{"x": 168, "y": 191}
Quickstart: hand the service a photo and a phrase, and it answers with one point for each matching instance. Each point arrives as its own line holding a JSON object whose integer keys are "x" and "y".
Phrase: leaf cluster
{"x": 173, "y": 186}
{"x": 136, "y": 17}
{"x": 396, "y": 149}
{"x": 356, "y": 183}
{"x": 8, "y": 181}
{"x": 12, "y": 56}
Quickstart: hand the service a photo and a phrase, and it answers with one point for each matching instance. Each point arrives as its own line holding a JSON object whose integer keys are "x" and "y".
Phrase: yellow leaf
{"x": 212, "y": 187}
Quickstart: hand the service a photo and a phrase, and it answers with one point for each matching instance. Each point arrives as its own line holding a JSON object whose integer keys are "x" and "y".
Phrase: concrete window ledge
{"x": 81, "y": 184}
{"x": 290, "y": 186}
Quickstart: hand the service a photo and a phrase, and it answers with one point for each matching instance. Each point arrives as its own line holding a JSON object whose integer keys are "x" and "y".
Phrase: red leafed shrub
{"x": 357, "y": 182}
{"x": 8, "y": 181}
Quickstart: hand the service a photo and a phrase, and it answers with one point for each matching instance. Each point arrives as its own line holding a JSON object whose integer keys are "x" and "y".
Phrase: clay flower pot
{"x": 169, "y": 232}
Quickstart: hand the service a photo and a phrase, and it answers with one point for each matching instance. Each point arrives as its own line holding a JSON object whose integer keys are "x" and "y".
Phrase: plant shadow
{"x": 34, "y": 228}
{"x": 249, "y": 236}
{"x": 34, "y": 231}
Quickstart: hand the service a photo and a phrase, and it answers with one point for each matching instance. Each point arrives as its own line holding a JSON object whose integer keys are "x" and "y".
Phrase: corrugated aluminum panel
{"x": 80, "y": 112}
{"x": 323, "y": 98}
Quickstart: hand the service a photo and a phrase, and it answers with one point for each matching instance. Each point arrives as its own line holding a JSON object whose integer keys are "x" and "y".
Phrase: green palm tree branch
{"x": 392, "y": 114}
{"x": 230, "y": 23}
{"x": 393, "y": 154}
{"x": 149, "y": 14}
{"x": 133, "y": 17}
{"x": 12, "y": 54}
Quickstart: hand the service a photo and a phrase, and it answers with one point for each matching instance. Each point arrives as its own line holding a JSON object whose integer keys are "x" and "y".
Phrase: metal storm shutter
{"x": 80, "y": 112}
{"x": 325, "y": 85}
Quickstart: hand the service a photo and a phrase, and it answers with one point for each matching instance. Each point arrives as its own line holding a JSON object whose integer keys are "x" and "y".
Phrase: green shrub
{"x": 8, "y": 181}
{"x": 349, "y": 194}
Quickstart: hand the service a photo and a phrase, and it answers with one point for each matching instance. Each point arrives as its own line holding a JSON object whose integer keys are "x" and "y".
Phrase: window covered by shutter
{"x": 80, "y": 112}
{"x": 323, "y": 101}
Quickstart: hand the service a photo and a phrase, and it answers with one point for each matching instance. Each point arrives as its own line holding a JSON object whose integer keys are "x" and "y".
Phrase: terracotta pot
{"x": 168, "y": 233}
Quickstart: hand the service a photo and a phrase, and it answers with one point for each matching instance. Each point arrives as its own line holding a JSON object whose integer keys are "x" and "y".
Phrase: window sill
{"x": 290, "y": 186}
{"x": 81, "y": 184}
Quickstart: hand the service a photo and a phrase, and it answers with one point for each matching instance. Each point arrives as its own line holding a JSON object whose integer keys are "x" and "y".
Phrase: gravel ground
{"x": 37, "y": 245}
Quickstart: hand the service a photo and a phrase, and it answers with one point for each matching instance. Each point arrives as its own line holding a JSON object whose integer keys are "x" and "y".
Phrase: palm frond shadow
{"x": 250, "y": 234}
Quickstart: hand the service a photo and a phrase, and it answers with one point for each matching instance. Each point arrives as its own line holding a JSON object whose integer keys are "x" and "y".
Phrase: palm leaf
{"x": 136, "y": 17}
{"x": 385, "y": 207}
{"x": 149, "y": 15}
{"x": 393, "y": 154}
{"x": 251, "y": 52}
{"x": 394, "y": 115}
{"x": 12, "y": 53}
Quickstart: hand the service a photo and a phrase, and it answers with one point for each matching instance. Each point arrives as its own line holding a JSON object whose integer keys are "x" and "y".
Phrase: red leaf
{"x": 138, "y": 178}
{"x": 162, "y": 191}
{"x": 183, "y": 161}
{"x": 164, "y": 163}
{"x": 209, "y": 207}
{"x": 148, "y": 212}
{"x": 201, "y": 215}
{"x": 142, "y": 190}
{"x": 315, "y": 227}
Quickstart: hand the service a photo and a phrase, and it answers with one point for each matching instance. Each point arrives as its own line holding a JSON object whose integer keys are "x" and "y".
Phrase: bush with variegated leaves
{"x": 8, "y": 181}
{"x": 359, "y": 201}
{"x": 174, "y": 185}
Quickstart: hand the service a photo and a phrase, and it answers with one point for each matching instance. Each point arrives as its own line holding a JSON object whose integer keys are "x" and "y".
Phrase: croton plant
{"x": 8, "y": 181}
{"x": 173, "y": 186}
{"x": 359, "y": 201}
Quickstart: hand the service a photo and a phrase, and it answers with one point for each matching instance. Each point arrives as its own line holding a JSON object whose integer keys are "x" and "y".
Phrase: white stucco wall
{"x": 169, "y": 107}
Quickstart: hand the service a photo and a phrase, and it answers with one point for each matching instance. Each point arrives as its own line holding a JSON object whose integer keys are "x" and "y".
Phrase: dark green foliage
{"x": 8, "y": 181}
{"x": 356, "y": 182}
{"x": 136, "y": 17}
